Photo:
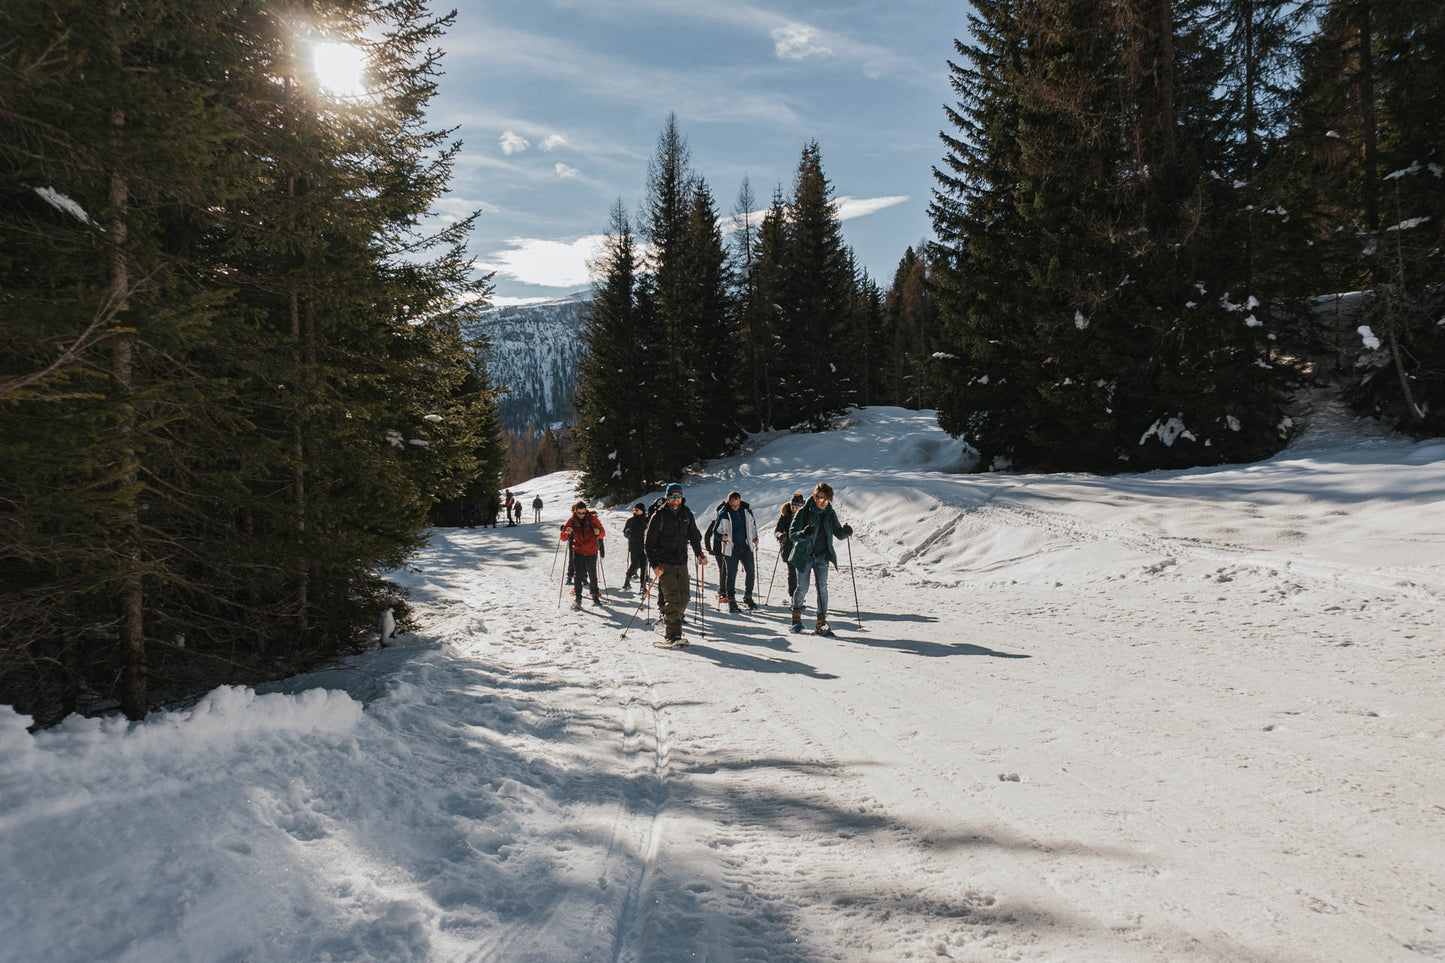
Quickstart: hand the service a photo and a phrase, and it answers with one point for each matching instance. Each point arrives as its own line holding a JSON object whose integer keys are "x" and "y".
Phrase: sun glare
{"x": 340, "y": 68}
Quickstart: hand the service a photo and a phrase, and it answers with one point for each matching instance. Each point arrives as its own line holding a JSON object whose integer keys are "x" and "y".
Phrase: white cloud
{"x": 552, "y": 141}
{"x": 565, "y": 172}
{"x": 513, "y": 143}
{"x": 553, "y": 264}
{"x": 848, "y": 208}
{"x": 795, "y": 41}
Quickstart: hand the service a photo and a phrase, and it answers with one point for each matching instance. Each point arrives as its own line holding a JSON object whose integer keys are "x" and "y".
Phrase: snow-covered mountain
{"x": 534, "y": 353}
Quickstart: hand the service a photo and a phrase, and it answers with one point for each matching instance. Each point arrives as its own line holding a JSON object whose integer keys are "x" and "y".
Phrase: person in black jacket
{"x": 785, "y": 542}
{"x": 635, "y": 531}
{"x": 670, "y": 532}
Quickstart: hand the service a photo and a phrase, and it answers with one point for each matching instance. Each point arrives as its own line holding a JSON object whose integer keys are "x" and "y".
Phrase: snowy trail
{"x": 1180, "y": 716}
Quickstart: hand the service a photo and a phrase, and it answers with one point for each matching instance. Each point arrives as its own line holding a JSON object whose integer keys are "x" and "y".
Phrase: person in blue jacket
{"x": 812, "y": 531}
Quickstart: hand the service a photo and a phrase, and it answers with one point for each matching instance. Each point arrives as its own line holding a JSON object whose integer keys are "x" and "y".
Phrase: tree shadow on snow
{"x": 931, "y": 650}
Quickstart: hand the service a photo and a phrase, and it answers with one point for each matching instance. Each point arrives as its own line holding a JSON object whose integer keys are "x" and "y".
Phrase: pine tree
{"x": 715, "y": 350}
{"x": 812, "y": 381}
{"x": 1365, "y": 130}
{"x": 614, "y": 397}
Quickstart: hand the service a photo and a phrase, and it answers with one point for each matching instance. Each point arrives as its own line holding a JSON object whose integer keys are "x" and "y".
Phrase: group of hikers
{"x": 508, "y": 508}
{"x": 659, "y": 538}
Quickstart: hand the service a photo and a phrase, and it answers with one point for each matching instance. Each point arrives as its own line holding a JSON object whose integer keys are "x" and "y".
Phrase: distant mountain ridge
{"x": 534, "y": 353}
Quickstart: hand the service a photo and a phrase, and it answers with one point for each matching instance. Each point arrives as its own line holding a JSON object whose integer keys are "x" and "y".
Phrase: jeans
{"x": 818, "y": 565}
{"x": 742, "y": 554}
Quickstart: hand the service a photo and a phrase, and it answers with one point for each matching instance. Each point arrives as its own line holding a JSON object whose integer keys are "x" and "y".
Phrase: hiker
{"x": 508, "y": 506}
{"x": 736, "y": 531}
{"x": 635, "y": 531}
{"x": 710, "y": 544}
{"x": 785, "y": 544}
{"x": 469, "y": 516}
{"x": 813, "y": 529}
{"x": 537, "y": 509}
{"x": 517, "y": 513}
{"x": 583, "y": 530}
{"x": 491, "y": 510}
{"x": 669, "y": 533}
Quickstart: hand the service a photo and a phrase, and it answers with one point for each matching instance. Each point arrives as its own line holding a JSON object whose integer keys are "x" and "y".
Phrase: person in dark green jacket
{"x": 812, "y": 531}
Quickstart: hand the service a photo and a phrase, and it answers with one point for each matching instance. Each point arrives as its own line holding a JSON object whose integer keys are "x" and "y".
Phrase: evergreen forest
{"x": 233, "y": 386}
{"x": 1144, "y": 215}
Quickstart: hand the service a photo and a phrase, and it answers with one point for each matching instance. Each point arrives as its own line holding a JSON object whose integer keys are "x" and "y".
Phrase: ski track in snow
{"x": 1083, "y": 720}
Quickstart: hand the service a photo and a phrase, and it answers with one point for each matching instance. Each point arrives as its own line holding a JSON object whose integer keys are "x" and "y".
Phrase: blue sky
{"x": 560, "y": 104}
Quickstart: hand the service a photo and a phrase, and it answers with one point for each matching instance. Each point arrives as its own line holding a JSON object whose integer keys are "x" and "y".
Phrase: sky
{"x": 1172, "y": 716}
{"x": 560, "y": 104}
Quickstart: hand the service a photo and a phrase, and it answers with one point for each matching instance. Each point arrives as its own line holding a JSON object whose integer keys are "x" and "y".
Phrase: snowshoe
{"x": 797, "y": 627}
{"x": 823, "y": 629}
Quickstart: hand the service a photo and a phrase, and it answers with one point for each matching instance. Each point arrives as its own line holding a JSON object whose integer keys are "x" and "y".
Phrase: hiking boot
{"x": 596, "y": 599}
{"x": 733, "y": 607}
{"x": 576, "y": 601}
{"x": 750, "y": 604}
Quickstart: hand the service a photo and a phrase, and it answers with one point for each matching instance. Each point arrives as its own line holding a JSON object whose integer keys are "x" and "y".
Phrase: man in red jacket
{"x": 583, "y": 530}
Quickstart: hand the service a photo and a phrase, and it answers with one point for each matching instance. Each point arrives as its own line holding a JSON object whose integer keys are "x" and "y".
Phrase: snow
{"x": 60, "y": 202}
{"x": 1181, "y": 715}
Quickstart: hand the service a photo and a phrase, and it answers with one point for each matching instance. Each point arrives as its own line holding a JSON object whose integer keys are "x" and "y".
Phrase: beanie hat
{"x": 797, "y": 498}
{"x": 672, "y": 489}
{"x": 638, "y": 507}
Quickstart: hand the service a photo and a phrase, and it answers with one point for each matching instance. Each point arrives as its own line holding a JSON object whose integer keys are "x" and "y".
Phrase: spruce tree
{"x": 813, "y": 383}
{"x": 614, "y": 397}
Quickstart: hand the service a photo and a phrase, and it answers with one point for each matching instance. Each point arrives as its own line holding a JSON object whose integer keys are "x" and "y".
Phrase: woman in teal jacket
{"x": 812, "y": 531}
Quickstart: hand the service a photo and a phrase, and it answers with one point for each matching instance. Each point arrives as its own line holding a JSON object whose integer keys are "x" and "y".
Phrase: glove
{"x": 807, "y": 531}
{"x": 847, "y": 531}
{"x": 602, "y": 547}
{"x": 778, "y": 536}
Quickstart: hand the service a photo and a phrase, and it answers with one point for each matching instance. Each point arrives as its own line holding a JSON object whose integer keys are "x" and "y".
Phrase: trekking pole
{"x": 856, "y": 609}
{"x": 563, "y": 586}
{"x": 774, "y": 578}
{"x": 645, "y": 595}
{"x": 602, "y": 568}
{"x": 555, "y": 552}
{"x": 701, "y": 603}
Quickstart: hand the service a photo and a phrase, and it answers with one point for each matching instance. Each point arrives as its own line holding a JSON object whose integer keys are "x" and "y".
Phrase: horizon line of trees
{"x": 1138, "y": 199}
{"x": 233, "y": 380}
{"x": 692, "y": 340}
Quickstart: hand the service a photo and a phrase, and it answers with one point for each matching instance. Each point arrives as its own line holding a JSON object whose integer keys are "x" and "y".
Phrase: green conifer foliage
{"x": 614, "y": 397}
{"x": 233, "y": 382}
{"x": 813, "y": 383}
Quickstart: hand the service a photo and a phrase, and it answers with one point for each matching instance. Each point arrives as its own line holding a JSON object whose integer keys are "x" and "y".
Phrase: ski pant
{"x": 637, "y": 562}
{"x": 819, "y": 567}
{"x": 584, "y": 569}
{"x": 674, "y": 594}
{"x": 742, "y": 555}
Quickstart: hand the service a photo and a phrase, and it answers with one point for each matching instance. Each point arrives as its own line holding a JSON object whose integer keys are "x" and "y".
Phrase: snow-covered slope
{"x": 1175, "y": 716}
{"x": 534, "y": 353}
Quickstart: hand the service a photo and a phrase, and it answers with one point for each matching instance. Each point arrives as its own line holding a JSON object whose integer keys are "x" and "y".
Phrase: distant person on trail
{"x": 469, "y": 515}
{"x": 508, "y": 506}
{"x": 583, "y": 530}
{"x": 736, "y": 531}
{"x": 785, "y": 544}
{"x": 492, "y": 510}
{"x": 670, "y": 532}
{"x": 517, "y": 513}
{"x": 537, "y": 509}
{"x": 635, "y": 531}
{"x": 812, "y": 530}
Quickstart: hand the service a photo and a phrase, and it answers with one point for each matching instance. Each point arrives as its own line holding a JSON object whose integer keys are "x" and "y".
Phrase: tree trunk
{"x": 133, "y": 696}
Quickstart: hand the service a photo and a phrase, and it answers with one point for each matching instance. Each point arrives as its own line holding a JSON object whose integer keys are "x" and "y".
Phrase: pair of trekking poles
{"x": 562, "y": 588}
{"x": 701, "y": 604}
{"x": 857, "y": 610}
